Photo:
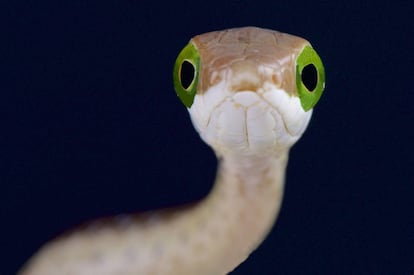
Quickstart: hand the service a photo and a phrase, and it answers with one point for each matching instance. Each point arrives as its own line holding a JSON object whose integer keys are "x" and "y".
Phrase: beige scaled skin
{"x": 248, "y": 110}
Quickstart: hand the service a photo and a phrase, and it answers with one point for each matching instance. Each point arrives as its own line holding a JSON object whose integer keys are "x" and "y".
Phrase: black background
{"x": 91, "y": 126}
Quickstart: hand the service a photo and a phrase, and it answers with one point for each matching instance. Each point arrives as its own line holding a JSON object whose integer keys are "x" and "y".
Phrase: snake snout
{"x": 244, "y": 76}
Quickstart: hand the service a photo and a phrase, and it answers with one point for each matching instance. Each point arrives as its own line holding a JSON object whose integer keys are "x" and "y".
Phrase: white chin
{"x": 248, "y": 123}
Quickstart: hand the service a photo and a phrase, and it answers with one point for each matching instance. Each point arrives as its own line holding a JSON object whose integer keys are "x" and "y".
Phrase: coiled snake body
{"x": 250, "y": 94}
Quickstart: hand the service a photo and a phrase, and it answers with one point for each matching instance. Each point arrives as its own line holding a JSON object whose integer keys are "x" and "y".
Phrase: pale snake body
{"x": 250, "y": 94}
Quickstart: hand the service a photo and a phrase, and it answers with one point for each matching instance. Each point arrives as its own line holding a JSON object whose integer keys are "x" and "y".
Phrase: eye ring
{"x": 310, "y": 77}
{"x": 186, "y": 74}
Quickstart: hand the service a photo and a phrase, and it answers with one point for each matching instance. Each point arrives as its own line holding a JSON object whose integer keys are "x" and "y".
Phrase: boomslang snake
{"x": 250, "y": 94}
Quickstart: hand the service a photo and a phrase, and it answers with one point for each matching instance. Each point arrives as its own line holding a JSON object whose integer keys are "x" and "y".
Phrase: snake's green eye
{"x": 310, "y": 77}
{"x": 185, "y": 74}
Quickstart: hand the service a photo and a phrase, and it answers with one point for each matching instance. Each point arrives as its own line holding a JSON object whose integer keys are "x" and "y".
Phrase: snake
{"x": 250, "y": 94}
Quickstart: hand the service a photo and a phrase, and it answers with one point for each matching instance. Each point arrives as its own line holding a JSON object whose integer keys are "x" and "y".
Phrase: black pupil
{"x": 187, "y": 74}
{"x": 310, "y": 77}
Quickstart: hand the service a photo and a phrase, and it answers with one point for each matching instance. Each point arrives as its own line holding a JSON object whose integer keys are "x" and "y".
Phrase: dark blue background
{"x": 91, "y": 126}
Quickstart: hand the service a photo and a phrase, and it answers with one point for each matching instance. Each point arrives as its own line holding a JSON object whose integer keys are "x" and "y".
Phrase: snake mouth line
{"x": 260, "y": 96}
{"x": 270, "y": 108}
{"x": 279, "y": 113}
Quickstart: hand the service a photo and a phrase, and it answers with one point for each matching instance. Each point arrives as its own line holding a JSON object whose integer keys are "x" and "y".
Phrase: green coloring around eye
{"x": 186, "y": 74}
{"x": 310, "y": 77}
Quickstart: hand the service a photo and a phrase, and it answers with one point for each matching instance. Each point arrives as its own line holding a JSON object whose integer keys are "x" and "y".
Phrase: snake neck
{"x": 243, "y": 206}
{"x": 210, "y": 238}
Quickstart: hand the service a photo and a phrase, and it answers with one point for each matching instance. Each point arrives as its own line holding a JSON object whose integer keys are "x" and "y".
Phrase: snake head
{"x": 249, "y": 91}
